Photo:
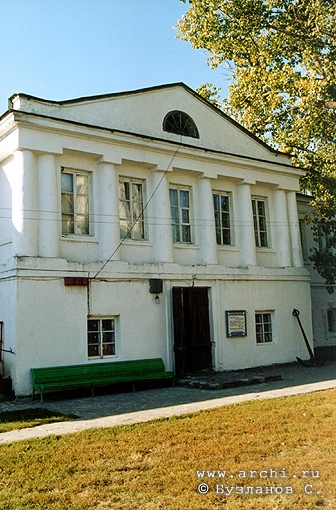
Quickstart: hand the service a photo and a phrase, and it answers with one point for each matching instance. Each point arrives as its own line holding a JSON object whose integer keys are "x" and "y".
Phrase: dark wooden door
{"x": 192, "y": 342}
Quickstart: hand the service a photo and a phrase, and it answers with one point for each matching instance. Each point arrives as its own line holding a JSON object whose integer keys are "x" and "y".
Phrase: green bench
{"x": 97, "y": 374}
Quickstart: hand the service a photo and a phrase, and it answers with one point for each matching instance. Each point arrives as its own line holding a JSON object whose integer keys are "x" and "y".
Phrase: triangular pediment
{"x": 142, "y": 112}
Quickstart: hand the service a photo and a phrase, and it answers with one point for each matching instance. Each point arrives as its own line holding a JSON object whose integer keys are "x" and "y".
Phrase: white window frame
{"x": 76, "y": 230}
{"x": 331, "y": 321}
{"x": 1, "y": 340}
{"x": 264, "y": 329}
{"x": 132, "y": 220}
{"x": 181, "y": 226}
{"x": 257, "y": 222}
{"x": 100, "y": 333}
{"x": 220, "y": 228}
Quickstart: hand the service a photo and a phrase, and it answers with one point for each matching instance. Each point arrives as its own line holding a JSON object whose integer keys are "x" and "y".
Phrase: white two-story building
{"x": 145, "y": 224}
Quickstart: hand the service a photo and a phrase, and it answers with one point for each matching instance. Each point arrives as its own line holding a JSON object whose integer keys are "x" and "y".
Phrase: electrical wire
{"x": 140, "y": 217}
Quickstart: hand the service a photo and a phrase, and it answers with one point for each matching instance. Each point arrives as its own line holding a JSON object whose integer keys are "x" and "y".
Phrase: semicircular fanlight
{"x": 180, "y": 123}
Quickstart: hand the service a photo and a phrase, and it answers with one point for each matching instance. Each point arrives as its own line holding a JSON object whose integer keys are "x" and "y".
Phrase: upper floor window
{"x": 131, "y": 209}
{"x": 221, "y": 203}
{"x": 180, "y": 214}
{"x": 75, "y": 202}
{"x": 260, "y": 223}
{"x": 180, "y": 123}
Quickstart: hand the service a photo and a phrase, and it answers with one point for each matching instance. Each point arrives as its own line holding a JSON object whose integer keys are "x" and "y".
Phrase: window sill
{"x": 265, "y": 249}
{"x": 102, "y": 358}
{"x": 134, "y": 242}
{"x": 185, "y": 246}
{"x": 79, "y": 239}
{"x": 227, "y": 247}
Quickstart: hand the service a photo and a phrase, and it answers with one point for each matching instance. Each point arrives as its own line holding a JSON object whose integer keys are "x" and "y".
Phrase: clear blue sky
{"x": 62, "y": 49}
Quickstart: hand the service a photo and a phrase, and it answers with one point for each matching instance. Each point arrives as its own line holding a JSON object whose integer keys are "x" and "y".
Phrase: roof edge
{"x": 150, "y": 89}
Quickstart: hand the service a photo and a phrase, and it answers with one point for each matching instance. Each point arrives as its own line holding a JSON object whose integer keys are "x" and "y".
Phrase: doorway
{"x": 192, "y": 339}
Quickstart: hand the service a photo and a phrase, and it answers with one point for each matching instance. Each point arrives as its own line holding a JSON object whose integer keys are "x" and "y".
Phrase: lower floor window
{"x": 263, "y": 323}
{"x": 101, "y": 337}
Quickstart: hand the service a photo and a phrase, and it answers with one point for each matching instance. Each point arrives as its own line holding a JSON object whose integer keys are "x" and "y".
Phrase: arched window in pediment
{"x": 180, "y": 123}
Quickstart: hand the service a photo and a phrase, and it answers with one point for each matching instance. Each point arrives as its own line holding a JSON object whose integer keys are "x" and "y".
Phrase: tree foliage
{"x": 281, "y": 55}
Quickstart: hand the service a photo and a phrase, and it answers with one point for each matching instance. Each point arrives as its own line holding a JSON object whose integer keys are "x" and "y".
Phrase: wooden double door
{"x": 192, "y": 340}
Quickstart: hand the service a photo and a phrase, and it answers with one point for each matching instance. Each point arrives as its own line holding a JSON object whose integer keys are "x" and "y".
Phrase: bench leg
{"x": 92, "y": 391}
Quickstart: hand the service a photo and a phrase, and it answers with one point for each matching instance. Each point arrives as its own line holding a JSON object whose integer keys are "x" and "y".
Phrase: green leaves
{"x": 281, "y": 56}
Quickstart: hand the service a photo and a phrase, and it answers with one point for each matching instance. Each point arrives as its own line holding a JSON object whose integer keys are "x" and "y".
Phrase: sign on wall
{"x": 235, "y": 323}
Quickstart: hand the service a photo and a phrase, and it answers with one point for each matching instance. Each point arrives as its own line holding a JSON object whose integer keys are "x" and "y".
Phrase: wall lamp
{"x": 156, "y": 287}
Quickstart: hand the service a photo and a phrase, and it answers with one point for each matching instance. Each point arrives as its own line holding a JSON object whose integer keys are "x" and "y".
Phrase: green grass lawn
{"x": 277, "y": 454}
{"x": 14, "y": 420}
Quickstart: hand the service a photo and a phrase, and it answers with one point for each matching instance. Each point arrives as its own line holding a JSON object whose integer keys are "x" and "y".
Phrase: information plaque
{"x": 235, "y": 323}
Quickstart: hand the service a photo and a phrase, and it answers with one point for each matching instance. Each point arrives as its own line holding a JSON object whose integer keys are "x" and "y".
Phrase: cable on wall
{"x": 126, "y": 236}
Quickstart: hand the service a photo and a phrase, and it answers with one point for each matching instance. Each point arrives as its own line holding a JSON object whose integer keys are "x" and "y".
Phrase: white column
{"x": 294, "y": 229}
{"x": 24, "y": 204}
{"x": 205, "y": 222}
{"x": 49, "y": 214}
{"x": 109, "y": 225}
{"x": 245, "y": 227}
{"x": 160, "y": 219}
{"x": 281, "y": 229}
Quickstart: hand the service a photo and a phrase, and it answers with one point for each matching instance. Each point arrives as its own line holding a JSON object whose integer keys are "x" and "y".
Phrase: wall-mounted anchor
{"x": 312, "y": 361}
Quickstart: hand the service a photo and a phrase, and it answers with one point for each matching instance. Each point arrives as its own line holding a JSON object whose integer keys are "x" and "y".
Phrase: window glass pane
{"x": 186, "y": 237}
{"x": 173, "y": 196}
{"x": 93, "y": 338}
{"x": 93, "y": 350}
{"x": 137, "y": 192}
{"x": 137, "y": 210}
{"x": 67, "y": 203}
{"x": 174, "y": 215}
{"x": 261, "y": 208}
{"x": 225, "y": 220}
{"x": 225, "y": 203}
{"x": 226, "y": 237}
{"x": 107, "y": 337}
{"x": 93, "y": 325}
{"x": 107, "y": 324}
{"x": 82, "y": 184}
{"x": 263, "y": 239}
{"x": 124, "y": 190}
{"x": 185, "y": 215}
{"x": 82, "y": 224}
{"x": 184, "y": 198}
{"x": 254, "y": 207}
{"x": 138, "y": 231}
{"x": 262, "y": 224}
{"x": 68, "y": 224}
{"x": 216, "y": 202}
{"x": 176, "y": 233}
{"x": 108, "y": 349}
{"x": 124, "y": 210}
{"x": 82, "y": 205}
{"x": 67, "y": 182}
